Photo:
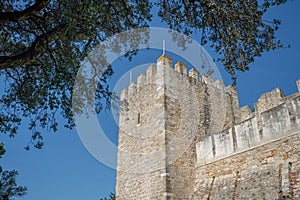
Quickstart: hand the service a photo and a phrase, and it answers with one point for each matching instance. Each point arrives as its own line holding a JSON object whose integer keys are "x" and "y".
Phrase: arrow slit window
{"x": 139, "y": 118}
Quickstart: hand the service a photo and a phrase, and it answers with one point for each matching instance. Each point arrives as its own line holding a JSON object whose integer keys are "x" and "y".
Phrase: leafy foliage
{"x": 43, "y": 42}
{"x": 2, "y": 150}
{"x": 235, "y": 29}
{"x": 111, "y": 197}
{"x": 41, "y": 53}
{"x": 8, "y": 186}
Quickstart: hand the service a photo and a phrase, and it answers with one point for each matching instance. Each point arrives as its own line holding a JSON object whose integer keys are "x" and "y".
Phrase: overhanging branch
{"x": 31, "y": 53}
{"x": 16, "y": 16}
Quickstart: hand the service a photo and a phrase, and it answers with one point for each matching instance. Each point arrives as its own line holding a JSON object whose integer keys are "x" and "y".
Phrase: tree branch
{"x": 31, "y": 53}
{"x": 16, "y": 16}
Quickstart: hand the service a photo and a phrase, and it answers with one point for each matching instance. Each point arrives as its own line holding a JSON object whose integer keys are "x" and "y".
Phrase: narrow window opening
{"x": 139, "y": 118}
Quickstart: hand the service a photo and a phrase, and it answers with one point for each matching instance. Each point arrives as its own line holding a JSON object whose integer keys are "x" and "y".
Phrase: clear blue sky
{"x": 65, "y": 170}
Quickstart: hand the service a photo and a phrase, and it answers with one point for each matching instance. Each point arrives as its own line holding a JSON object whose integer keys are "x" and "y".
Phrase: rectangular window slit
{"x": 139, "y": 118}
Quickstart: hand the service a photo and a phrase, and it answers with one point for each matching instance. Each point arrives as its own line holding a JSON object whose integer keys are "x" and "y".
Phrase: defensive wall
{"x": 184, "y": 136}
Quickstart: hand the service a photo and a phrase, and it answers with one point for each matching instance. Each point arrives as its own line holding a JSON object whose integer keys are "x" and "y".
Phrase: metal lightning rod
{"x": 164, "y": 47}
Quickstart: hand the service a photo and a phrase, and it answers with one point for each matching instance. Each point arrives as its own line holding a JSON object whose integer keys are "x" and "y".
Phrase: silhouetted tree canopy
{"x": 235, "y": 29}
{"x": 8, "y": 185}
{"x": 111, "y": 197}
{"x": 44, "y": 41}
{"x": 42, "y": 45}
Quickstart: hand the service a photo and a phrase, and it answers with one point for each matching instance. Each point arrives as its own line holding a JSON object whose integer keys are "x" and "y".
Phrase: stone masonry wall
{"x": 183, "y": 136}
{"x": 141, "y": 148}
{"x": 271, "y": 121}
{"x": 266, "y": 161}
{"x": 162, "y": 117}
{"x": 270, "y": 171}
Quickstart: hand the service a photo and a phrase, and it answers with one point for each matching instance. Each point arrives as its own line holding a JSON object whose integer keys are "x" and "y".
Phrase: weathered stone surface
{"x": 180, "y": 67}
{"x": 268, "y": 171}
{"x": 182, "y": 138}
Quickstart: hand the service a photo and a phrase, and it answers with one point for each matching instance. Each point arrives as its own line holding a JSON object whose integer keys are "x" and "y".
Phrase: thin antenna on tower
{"x": 130, "y": 76}
{"x": 164, "y": 47}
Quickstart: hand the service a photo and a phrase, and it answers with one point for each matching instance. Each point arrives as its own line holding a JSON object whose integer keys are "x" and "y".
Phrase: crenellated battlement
{"x": 153, "y": 74}
{"x": 269, "y": 100}
{"x": 245, "y": 113}
{"x": 235, "y": 115}
{"x": 180, "y": 68}
{"x": 184, "y": 136}
{"x": 276, "y": 116}
{"x": 141, "y": 80}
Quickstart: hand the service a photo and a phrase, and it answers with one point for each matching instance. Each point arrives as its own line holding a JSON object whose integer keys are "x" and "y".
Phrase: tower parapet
{"x": 164, "y": 60}
{"x": 160, "y": 122}
{"x": 180, "y": 68}
{"x": 150, "y": 74}
{"x": 141, "y": 80}
{"x": 132, "y": 89}
{"x": 207, "y": 79}
{"x": 276, "y": 116}
{"x": 195, "y": 74}
{"x": 175, "y": 144}
{"x": 269, "y": 100}
{"x": 124, "y": 94}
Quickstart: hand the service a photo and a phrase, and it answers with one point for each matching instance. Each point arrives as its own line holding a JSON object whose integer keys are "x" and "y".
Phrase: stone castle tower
{"x": 182, "y": 136}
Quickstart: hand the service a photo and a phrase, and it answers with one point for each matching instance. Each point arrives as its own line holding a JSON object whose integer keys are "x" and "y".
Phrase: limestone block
{"x": 195, "y": 74}
{"x": 180, "y": 67}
